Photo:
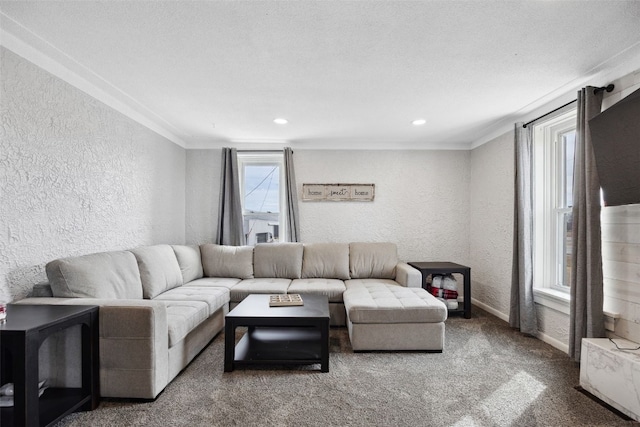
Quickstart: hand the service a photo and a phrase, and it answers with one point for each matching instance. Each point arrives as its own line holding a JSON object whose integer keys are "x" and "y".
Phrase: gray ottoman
{"x": 386, "y": 316}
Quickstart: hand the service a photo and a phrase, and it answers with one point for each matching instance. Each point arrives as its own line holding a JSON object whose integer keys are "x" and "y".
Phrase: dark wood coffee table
{"x": 297, "y": 335}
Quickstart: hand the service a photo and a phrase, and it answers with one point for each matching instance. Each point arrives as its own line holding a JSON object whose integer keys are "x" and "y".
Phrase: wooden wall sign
{"x": 338, "y": 192}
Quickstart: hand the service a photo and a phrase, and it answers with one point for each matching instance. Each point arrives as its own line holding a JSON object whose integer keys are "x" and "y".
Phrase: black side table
{"x": 427, "y": 268}
{"x": 21, "y": 336}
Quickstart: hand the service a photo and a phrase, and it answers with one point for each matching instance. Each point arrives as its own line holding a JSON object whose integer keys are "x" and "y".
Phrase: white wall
{"x": 77, "y": 177}
{"x": 421, "y": 202}
{"x": 491, "y": 237}
{"x": 491, "y": 224}
{"x": 202, "y": 195}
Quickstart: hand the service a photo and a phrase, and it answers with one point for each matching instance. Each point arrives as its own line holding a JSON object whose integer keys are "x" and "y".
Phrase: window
{"x": 566, "y": 144}
{"x": 261, "y": 186}
{"x": 554, "y": 147}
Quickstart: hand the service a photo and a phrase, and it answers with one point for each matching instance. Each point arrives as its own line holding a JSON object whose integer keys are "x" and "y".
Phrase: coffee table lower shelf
{"x": 279, "y": 346}
{"x": 296, "y": 335}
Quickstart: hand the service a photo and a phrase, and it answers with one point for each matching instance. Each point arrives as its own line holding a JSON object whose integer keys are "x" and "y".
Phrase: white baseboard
{"x": 490, "y": 309}
{"x": 553, "y": 342}
{"x": 541, "y": 336}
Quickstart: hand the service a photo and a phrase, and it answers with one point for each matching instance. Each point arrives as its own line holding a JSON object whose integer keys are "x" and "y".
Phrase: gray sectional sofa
{"x": 161, "y": 305}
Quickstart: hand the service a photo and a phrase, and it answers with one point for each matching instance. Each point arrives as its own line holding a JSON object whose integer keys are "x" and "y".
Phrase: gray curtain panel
{"x": 522, "y": 314}
{"x": 230, "y": 223}
{"x": 586, "y": 312}
{"x": 293, "y": 217}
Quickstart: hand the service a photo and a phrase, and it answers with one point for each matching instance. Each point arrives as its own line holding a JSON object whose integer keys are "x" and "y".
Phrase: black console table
{"x": 427, "y": 268}
{"x": 21, "y": 336}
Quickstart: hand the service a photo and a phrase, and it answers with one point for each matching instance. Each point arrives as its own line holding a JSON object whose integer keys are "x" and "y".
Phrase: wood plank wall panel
{"x": 621, "y": 267}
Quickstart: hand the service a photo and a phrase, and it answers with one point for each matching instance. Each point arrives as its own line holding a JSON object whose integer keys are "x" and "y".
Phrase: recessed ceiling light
{"x": 281, "y": 121}
{"x": 418, "y": 122}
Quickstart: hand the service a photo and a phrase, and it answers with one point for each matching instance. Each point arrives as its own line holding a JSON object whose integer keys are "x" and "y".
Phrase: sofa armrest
{"x": 134, "y": 344}
{"x": 408, "y": 276}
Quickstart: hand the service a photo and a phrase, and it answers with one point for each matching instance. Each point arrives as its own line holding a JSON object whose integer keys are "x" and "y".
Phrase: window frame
{"x": 550, "y": 208}
{"x": 256, "y": 158}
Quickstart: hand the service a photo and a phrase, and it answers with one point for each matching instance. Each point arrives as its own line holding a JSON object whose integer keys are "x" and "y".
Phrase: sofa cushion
{"x": 332, "y": 288}
{"x": 325, "y": 260}
{"x": 373, "y": 260}
{"x": 159, "y": 269}
{"x": 358, "y": 283}
{"x": 227, "y": 261}
{"x": 380, "y": 303}
{"x": 259, "y": 286}
{"x": 279, "y": 260}
{"x": 183, "y": 317}
{"x": 215, "y": 298}
{"x": 215, "y": 282}
{"x": 102, "y": 275}
{"x": 190, "y": 261}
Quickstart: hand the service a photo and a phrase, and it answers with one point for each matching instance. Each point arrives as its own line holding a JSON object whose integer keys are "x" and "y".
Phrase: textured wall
{"x": 77, "y": 177}
{"x": 491, "y": 242}
{"x": 491, "y": 222}
{"x": 202, "y": 194}
{"x": 421, "y": 199}
{"x": 554, "y": 325}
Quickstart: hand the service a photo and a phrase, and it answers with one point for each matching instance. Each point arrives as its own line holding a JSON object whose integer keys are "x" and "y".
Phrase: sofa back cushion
{"x": 190, "y": 262}
{"x": 373, "y": 260}
{"x": 325, "y": 261}
{"x": 227, "y": 261}
{"x": 159, "y": 269}
{"x": 278, "y": 260}
{"x": 103, "y": 275}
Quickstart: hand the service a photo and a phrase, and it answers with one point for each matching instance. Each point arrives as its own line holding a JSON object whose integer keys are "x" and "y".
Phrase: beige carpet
{"x": 488, "y": 375}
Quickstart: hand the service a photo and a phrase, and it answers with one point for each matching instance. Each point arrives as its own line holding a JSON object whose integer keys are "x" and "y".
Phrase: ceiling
{"x": 344, "y": 74}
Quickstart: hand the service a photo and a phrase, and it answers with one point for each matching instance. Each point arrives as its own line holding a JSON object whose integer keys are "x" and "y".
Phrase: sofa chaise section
{"x": 382, "y": 314}
{"x": 385, "y": 316}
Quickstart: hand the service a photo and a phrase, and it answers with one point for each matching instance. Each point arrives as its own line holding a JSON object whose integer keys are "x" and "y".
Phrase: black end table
{"x": 427, "y": 268}
{"x": 296, "y": 335}
{"x": 21, "y": 336}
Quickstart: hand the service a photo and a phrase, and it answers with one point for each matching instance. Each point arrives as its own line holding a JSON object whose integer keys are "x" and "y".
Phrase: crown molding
{"x": 33, "y": 48}
{"x": 345, "y": 144}
{"x": 619, "y": 65}
{"x": 25, "y": 43}
{"x": 37, "y": 50}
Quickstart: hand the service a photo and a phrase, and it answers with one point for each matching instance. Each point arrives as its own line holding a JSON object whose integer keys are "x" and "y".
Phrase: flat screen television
{"x": 615, "y": 135}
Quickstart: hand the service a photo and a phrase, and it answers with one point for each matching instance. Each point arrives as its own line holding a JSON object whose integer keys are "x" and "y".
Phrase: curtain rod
{"x": 608, "y": 88}
{"x": 260, "y": 151}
